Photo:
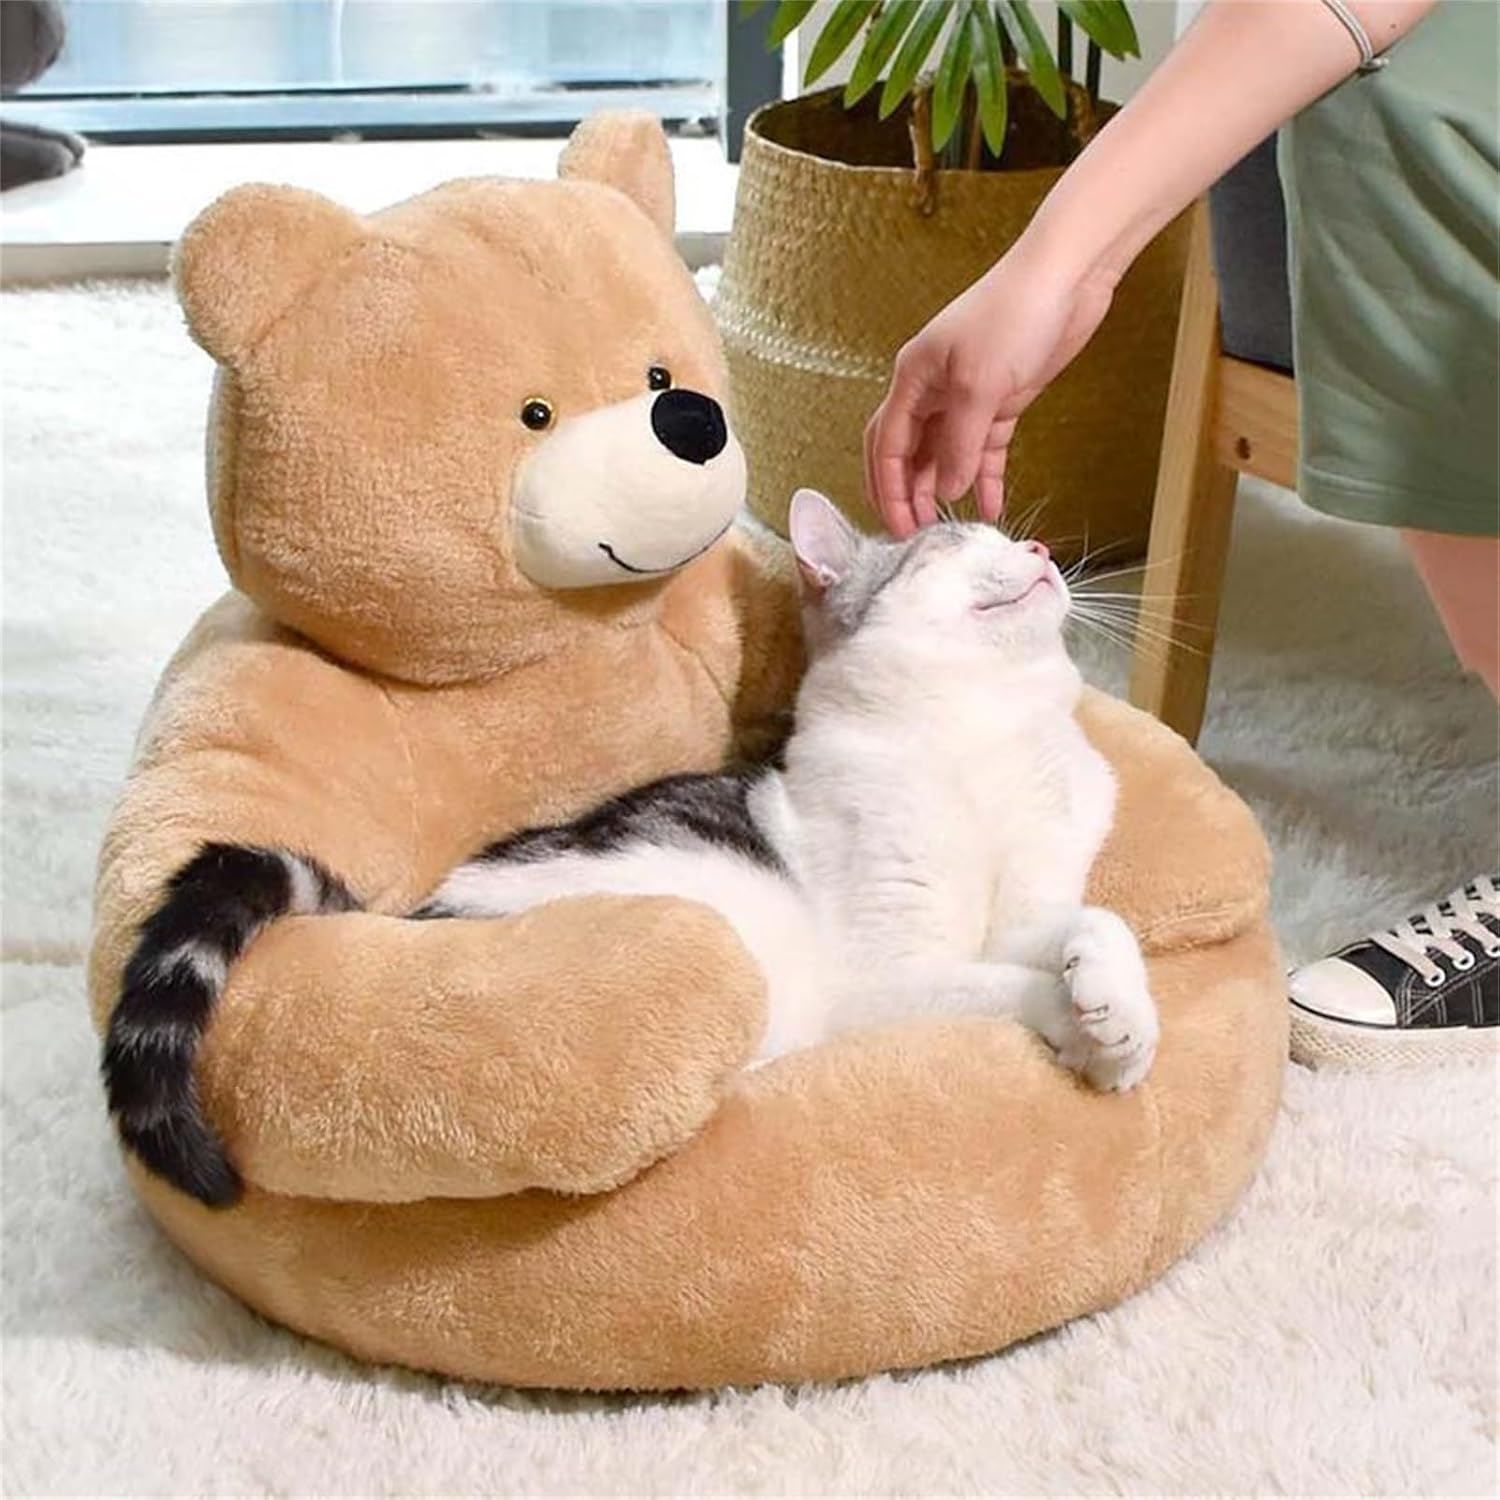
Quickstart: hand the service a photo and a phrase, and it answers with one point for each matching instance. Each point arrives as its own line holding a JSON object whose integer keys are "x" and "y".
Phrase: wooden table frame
{"x": 1225, "y": 417}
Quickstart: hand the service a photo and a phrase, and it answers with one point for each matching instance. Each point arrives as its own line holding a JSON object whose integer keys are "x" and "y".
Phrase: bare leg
{"x": 1462, "y": 576}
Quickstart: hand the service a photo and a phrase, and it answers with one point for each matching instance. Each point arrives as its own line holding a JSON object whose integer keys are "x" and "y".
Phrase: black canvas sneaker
{"x": 1424, "y": 991}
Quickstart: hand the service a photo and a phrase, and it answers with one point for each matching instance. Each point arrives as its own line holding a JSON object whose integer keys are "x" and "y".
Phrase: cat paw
{"x": 1114, "y": 1027}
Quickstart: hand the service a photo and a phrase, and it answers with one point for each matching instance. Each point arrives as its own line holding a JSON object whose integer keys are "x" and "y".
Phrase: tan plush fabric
{"x": 911, "y": 1195}
{"x": 412, "y": 1104}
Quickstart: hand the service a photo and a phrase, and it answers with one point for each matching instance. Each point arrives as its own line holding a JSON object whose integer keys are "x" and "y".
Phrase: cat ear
{"x": 825, "y": 543}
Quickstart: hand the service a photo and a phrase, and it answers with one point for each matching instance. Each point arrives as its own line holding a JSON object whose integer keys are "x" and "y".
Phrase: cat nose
{"x": 689, "y": 425}
{"x": 1040, "y": 548}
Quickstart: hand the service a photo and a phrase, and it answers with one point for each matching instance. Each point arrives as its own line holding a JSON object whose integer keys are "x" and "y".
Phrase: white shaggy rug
{"x": 1338, "y": 1335}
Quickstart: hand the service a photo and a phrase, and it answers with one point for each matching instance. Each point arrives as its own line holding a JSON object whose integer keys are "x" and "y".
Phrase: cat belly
{"x": 764, "y": 908}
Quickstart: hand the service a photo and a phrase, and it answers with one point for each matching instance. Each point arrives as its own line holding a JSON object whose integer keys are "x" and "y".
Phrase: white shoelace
{"x": 1438, "y": 929}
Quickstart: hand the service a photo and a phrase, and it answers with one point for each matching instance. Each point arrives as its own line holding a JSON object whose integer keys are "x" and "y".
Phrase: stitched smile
{"x": 620, "y": 562}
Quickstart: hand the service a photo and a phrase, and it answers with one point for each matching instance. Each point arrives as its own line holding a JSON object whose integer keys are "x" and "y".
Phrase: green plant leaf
{"x": 1120, "y": 11}
{"x": 1036, "y": 55}
{"x": 919, "y": 42}
{"x": 790, "y": 14}
{"x": 989, "y": 76}
{"x": 890, "y": 26}
{"x": 1106, "y": 22}
{"x": 952, "y": 81}
{"x": 833, "y": 41}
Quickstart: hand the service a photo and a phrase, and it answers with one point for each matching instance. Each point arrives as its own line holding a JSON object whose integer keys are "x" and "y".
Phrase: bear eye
{"x": 536, "y": 413}
{"x": 658, "y": 377}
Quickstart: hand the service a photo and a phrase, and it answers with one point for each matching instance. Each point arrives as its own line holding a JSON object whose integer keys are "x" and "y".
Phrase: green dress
{"x": 1392, "y": 186}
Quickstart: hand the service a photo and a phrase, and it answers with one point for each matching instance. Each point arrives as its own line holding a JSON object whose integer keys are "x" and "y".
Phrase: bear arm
{"x": 763, "y": 585}
{"x": 366, "y": 1055}
{"x": 739, "y": 610}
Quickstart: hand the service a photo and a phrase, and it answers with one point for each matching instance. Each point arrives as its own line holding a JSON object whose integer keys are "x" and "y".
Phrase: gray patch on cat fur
{"x": 877, "y": 563}
{"x": 690, "y": 809}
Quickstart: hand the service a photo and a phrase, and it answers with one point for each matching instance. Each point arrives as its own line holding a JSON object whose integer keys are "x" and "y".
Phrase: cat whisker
{"x": 1143, "y": 570}
{"x": 1130, "y": 569}
{"x": 1145, "y": 642}
{"x": 1113, "y": 638}
{"x": 1057, "y": 543}
{"x": 1148, "y": 631}
{"x": 1161, "y": 606}
{"x": 1091, "y": 556}
{"x": 1023, "y": 528}
{"x": 1150, "y": 646}
{"x": 1127, "y": 609}
{"x": 1096, "y": 593}
{"x": 1094, "y": 554}
{"x": 1135, "y": 628}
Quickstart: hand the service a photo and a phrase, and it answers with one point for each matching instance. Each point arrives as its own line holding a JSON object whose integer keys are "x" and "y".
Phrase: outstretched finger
{"x": 924, "y": 498}
{"x": 989, "y": 483}
{"x": 923, "y": 495}
{"x": 958, "y": 444}
{"x": 867, "y": 449}
{"x": 887, "y": 484}
{"x": 892, "y": 438}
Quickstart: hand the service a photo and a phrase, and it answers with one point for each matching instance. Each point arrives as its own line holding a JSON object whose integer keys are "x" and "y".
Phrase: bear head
{"x": 449, "y": 437}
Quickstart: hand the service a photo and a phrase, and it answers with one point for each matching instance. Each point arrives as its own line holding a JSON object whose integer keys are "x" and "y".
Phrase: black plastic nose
{"x": 689, "y": 424}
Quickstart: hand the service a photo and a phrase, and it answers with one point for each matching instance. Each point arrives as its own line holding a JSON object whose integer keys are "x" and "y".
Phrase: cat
{"x": 922, "y": 847}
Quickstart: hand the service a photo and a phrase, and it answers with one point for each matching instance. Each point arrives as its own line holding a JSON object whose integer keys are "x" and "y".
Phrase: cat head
{"x": 967, "y": 588}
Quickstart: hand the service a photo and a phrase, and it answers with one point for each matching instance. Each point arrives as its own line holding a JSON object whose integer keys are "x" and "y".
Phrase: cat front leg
{"x": 938, "y": 987}
{"x": 1110, "y": 1032}
{"x": 1117, "y": 1028}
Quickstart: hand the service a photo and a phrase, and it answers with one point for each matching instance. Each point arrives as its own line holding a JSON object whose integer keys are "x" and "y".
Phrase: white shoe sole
{"x": 1317, "y": 1042}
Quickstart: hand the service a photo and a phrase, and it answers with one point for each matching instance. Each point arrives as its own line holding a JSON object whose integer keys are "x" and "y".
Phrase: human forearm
{"x": 963, "y": 382}
{"x": 1243, "y": 68}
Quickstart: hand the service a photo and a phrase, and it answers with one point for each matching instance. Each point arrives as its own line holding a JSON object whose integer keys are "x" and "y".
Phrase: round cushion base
{"x": 920, "y": 1193}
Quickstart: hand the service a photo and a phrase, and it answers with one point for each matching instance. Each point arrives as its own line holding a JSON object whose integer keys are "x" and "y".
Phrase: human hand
{"x": 961, "y": 383}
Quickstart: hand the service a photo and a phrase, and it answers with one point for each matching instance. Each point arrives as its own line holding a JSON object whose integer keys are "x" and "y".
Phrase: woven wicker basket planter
{"x": 831, "y": 266}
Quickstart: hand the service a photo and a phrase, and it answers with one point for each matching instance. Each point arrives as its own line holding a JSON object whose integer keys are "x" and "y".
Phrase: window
{"x": 180, "y": 69}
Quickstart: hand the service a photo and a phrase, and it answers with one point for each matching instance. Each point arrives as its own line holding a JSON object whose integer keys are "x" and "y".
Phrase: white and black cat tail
{"x": 215, "y": 905}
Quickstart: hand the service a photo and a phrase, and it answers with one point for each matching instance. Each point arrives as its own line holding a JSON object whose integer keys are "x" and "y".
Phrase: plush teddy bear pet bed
{"x": 482, "y": 579}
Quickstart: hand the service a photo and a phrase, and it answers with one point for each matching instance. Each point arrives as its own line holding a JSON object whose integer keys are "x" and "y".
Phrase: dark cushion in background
{"x": 31, "y": 35}
{"x": 1250, "y": 257}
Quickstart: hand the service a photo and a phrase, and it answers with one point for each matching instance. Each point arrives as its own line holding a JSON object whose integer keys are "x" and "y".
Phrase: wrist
{"x": 1069, "y": 249}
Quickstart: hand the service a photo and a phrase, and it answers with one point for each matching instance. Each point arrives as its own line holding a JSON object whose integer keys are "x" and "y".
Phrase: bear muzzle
{"x": 625, "y": 492}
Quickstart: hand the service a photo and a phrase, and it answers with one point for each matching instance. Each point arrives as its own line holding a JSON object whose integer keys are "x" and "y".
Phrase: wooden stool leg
{"x": 1191, "y": 520}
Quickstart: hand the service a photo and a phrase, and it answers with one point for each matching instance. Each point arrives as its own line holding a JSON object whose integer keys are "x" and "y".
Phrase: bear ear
{"x": 249, "y": 255}
{"x": 626, "y": 150}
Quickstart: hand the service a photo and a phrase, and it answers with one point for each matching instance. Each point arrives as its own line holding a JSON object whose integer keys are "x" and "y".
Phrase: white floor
{"x": 1338, "y": 1335}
